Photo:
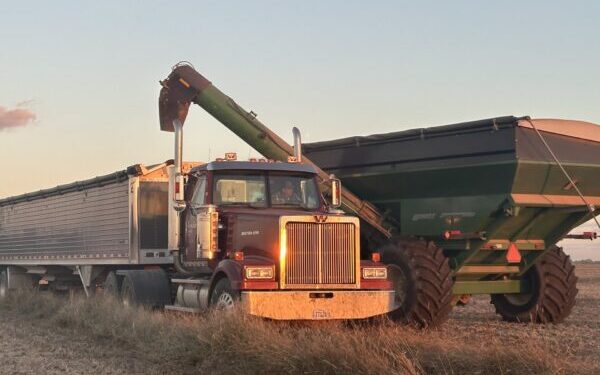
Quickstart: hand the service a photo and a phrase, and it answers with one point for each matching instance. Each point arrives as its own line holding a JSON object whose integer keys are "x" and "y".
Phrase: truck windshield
{"x": 249, "y": 189}
{"x": 300, "y": 191}
{"x": 240, "y": 189}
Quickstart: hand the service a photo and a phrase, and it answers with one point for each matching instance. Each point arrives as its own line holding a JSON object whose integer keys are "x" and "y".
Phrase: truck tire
{"x": 223, "y": 297}
{"x": 422, "y": 281}
{"x": 112, "y": 285}
{"x": 3, "y": 284}
{"x": 554, "y": 287}
{"x": 18, "y": 281}
{"x": 149, "y": 288}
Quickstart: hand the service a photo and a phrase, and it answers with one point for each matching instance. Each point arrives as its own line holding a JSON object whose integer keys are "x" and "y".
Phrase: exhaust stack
{"x": 297, "y": 144}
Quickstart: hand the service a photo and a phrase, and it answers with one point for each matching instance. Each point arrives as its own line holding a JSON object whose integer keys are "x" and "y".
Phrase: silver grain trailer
{"x": 77, "y": 232}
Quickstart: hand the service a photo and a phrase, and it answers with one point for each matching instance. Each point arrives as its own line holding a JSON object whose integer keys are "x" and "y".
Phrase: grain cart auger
{"x": 419, "y": 269}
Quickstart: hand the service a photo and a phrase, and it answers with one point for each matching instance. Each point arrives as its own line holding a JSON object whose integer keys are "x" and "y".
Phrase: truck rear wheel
{"x": 148, "y": 288}
{"x": 223, "y": 296}
{"x": 422, "y": 280}
{"x": 552, "y": 296}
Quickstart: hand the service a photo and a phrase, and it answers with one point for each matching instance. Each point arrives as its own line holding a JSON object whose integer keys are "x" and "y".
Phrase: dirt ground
{"x": 33, "y": 346}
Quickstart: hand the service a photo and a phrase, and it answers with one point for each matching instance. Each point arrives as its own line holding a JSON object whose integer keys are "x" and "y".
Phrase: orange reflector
{"x": 513, "y": 255}
{"x": 238, "y": 255}
{"x": 376, "y": 257}
{"x": 451, "y": 234}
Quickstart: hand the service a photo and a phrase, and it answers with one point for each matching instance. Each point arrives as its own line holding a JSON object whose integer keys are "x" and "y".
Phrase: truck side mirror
{"x": 336, "y": 191}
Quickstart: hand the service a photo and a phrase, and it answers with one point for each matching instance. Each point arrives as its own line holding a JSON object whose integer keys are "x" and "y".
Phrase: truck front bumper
{"x": 318, "y": 304}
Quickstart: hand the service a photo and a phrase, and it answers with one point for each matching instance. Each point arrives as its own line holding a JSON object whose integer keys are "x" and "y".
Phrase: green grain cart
{"x": 492, "y": 194}
{"x": 472, "y": 208}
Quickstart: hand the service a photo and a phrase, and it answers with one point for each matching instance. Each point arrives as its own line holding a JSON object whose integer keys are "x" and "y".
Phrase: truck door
{"x": 196, "y": 202}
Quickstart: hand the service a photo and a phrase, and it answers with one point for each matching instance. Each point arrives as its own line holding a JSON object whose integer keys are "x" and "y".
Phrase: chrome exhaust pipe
{"x": 178, "y": 126}
{"x": 178, "y": 195}
{"x": 297, "y": 144}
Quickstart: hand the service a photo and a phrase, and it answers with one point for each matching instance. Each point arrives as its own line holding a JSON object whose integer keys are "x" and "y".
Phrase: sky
{"x": 79, "y": 80}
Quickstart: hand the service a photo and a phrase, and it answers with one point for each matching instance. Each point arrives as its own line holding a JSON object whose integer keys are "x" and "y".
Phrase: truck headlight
{"x": 259, "y": 272}
{"x": 374, "y": 273}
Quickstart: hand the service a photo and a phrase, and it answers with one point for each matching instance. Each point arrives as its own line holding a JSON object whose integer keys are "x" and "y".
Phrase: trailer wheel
{"x": 18, "y": 281}
{"x": 422, "y": 281}
{"x": 3, "y": 285}
{"x": 552, "y": 296}
{"x": 112, "y": 285}
{"x": 223, "y": 296}
{"x": 148, "y": 288}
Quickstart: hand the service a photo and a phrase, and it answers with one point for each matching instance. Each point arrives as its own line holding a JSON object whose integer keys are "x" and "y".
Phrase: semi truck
{"x": 187, "y": 236}
{"x": 431, "y": 215}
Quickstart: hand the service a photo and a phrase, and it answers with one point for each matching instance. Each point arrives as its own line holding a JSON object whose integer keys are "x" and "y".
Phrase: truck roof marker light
{"x": 230, "y": 156}
{"x": 292, "y": 159}
{"x": 238, "y": 255}
{"x": 376, "y": 257}
{"x": 513, "y": 255}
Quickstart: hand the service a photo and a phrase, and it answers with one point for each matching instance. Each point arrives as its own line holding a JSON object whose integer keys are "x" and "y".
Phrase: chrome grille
{"x": 320, "y": 253}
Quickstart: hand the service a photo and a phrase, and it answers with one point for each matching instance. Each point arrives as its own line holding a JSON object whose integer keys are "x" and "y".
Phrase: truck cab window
{"x": 300, "y": 191}
{"x": 200, "y": 193}
{"x": 240, "y": 189}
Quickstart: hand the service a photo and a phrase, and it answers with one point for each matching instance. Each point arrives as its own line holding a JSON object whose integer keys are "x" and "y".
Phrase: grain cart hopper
{"x": 492, "y": 193}
{"x": 470, "y": 218}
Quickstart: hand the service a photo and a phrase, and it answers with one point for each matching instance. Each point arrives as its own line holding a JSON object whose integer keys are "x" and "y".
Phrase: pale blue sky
{"x": 333, "y": 68}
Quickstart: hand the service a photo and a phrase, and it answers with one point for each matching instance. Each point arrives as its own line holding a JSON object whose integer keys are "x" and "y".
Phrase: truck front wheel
{"x": 422, "y": 282}
{"x": 223, "y": 296}
{"x": 553, "y": 287}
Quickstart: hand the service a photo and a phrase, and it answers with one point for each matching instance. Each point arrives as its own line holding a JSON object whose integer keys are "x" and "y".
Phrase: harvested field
{"x": 42, "y": 333}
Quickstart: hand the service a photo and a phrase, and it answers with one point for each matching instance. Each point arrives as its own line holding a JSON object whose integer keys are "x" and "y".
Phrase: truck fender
{"x": 227, "y": 268}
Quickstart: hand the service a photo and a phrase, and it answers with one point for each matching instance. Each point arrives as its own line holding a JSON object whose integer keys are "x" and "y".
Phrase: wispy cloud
{"x": 15, "y": 117}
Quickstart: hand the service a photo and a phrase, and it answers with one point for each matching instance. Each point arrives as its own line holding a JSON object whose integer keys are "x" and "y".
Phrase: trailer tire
{"x": 554, "y": 288}
{"x": 19, "y": 281}
{"x": 3, "y": 285}
{"x": 422, "y": 281}
{"x": 149, "y": 288}
{"x": 223, "y": 296}
{"x": 112, "y": 285}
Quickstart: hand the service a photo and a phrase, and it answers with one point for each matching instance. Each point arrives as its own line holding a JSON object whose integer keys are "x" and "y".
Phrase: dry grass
{"x": 473, "y": 342}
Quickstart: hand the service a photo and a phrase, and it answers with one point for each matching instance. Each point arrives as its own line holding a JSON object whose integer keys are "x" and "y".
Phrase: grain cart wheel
{"x": 223, "y": 297}
{"x": 112, "y": 285}
{"x": 552, "y": 296}
{"x": 422, "y": 281}
{"x": 148, "y": 288}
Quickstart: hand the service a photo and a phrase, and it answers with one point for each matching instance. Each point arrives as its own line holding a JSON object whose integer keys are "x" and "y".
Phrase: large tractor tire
{"x": 552, "y": 295}
{"x": 422, "y": 281}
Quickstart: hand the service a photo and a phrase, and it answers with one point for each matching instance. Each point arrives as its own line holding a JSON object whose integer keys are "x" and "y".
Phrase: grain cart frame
{"x": 444, "y": 258}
